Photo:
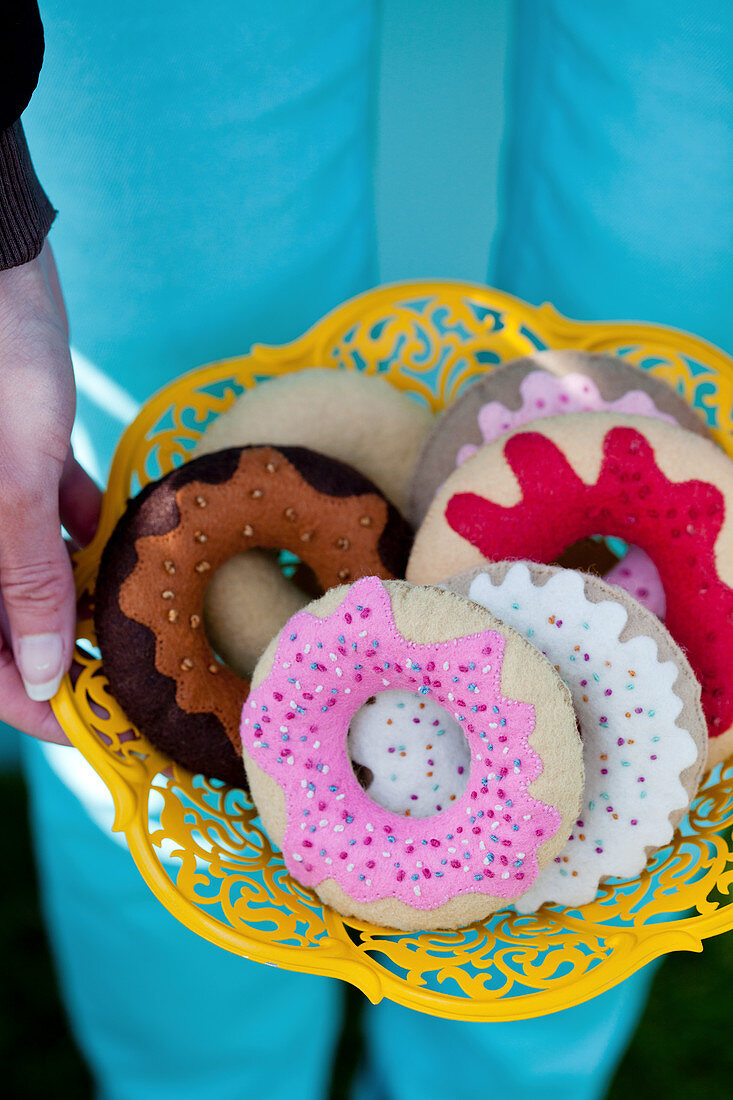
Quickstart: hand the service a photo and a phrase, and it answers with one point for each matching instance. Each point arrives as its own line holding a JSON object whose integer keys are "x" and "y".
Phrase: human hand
{"x": 41, "y": 487}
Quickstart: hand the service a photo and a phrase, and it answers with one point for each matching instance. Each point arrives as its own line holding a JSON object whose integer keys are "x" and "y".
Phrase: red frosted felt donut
{"x": 533, "y": 492}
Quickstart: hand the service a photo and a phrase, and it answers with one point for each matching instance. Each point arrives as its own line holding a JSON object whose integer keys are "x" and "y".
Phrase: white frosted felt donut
{"x": 525, "y": 776}
{"x": 638, "y": 708}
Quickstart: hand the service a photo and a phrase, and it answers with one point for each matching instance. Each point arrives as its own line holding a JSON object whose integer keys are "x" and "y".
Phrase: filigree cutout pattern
{"x": 200, "y": 846}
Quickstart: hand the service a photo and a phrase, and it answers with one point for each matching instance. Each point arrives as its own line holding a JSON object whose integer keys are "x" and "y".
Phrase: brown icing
{"x": 267, "y": 503}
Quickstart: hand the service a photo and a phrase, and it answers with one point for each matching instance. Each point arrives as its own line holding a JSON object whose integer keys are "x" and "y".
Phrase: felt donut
{"x": 654, "y": 484}
{"x": 247, "y": 602}
{"x": 358, "y": 418}
{"x": 638, "y": 707}
{"x": 549, "y": 383}
{"x": 163, "y": 552}
{"x": 524, "y": 781}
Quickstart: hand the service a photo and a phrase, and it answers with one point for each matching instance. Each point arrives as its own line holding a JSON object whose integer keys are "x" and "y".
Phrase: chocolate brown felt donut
{"x": 167, "y": 545}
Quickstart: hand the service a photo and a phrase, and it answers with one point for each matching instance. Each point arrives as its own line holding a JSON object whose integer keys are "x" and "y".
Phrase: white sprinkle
{"x": 283, "y": 729}
{"x": 485, "y": 669}
{"x": 369, "y": 828}
{"x": 417, "y": 890}
{"x": 338, "y": 671}
{"x": 451, "y": 850}
{"x": 319, "y": 688}
{"x": 333, "y": 657}
{"x": 289, "y": 760}
{"x": 350, "y": 867}
{"x": 307, "y": 648}
{"x": 325, "y": 769}
{"x": 309, "y": 794}
{"x": 323, "y": 821}
{"x": 362, "y": 633}
{"x": 304, "y": 782}
{"x": 446, "y": 666}
{"x": 505, "y": 874}
{"x": 329, "y": 861}
{"x": 286, "y": 664}
{"x": 482, "y": 846}
{"x": 316, "y": 744}
{"x": 297, "y": 858}
{"x": 339, "y": 797}
{"x": 338, "y": 828}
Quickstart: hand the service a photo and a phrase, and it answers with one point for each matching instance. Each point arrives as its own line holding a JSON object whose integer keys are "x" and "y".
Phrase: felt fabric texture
{"x": 157, "y": 564}
{"x": 248, "y": 600}
{"x": 643, "y": 480}
{"x": 357, "y": 418}
{"x": 547, "y": 383}
{"x": 524, "y": 745}
{"x": 638, "y": 707}
{"x": 409, "y": 753}
{"x": 637, "y": 574}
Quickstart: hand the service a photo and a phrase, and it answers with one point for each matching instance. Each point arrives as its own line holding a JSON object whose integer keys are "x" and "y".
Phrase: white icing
{"x": 627, "y": 809}
{"x": 416, "y": 750}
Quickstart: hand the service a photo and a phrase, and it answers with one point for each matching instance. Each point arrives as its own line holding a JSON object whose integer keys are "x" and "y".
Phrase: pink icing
{"x": 545, "y": 394}
{"x": 294, "y": 726}
{"x": 637, "y": 574}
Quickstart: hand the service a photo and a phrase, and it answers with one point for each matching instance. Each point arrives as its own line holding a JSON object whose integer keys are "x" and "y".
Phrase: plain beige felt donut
{"x": 426, "y": 615}
{"x": 358, "y": 418}
{"x": 248, "y": 600}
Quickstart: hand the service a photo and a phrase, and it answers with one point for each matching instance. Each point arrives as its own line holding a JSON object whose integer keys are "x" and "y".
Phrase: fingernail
{"x": 40, "y": 661}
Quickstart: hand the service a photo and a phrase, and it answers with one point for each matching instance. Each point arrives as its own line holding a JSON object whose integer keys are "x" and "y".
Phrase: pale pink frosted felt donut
{"x": 525, "y": 778}
{"x": 547, "y": 485}
{"x": 638, "y": 708}
{"x": 549, "y": 383}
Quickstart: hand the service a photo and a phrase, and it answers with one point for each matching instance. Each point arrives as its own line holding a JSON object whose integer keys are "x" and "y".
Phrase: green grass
{"x": 680, "y": 1051}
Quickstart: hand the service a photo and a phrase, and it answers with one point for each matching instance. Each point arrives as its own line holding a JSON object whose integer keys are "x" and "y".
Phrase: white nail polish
{"x": 40, "y": 662}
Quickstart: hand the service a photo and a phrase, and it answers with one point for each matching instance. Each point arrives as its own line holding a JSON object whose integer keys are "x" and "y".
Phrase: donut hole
{"x": 621, "y": 564}
{"x": 589, "y": 555}
{"x": 408, "y": 753}
{"x": 248, "y": 601}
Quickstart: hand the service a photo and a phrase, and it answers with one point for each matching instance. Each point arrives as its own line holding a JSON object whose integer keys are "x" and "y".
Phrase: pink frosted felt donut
{"x": 541, "y": 488}
{"x": 525, "y": 776}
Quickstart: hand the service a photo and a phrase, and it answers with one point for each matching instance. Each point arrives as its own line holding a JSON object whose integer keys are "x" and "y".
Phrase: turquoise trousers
{"x": 213, "y": 169}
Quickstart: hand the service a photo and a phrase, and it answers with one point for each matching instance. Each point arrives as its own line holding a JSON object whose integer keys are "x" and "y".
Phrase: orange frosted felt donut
{"x": 163, "y": 552}
{"x": 537, "y": 490}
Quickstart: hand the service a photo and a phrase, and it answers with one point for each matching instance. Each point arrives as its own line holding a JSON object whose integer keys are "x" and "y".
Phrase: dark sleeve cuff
{"x": 25, "y": 212}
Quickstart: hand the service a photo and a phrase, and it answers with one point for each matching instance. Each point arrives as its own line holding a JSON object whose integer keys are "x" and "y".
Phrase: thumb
{"x": 36, "y": 581}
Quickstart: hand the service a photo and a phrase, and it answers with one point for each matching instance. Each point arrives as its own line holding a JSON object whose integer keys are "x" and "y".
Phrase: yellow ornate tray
{"x": 199, "y": 845}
